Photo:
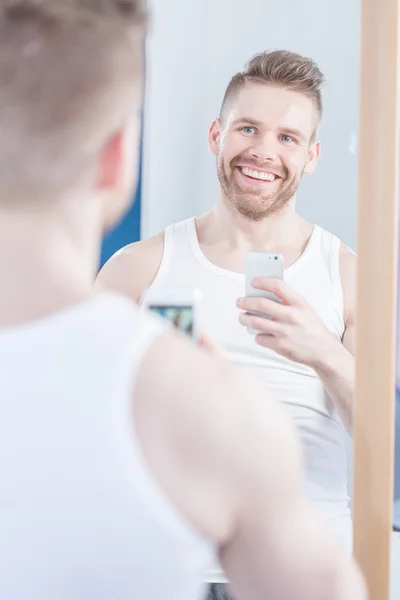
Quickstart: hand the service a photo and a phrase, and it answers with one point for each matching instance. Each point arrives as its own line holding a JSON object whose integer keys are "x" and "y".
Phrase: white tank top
{"x": 316, "y": 277}
{"x": 80, "y": 514}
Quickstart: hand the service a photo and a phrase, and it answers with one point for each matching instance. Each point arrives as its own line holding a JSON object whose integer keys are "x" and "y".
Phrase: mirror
{"x": 377, "y": 548}
{"x": 193, "y": 51}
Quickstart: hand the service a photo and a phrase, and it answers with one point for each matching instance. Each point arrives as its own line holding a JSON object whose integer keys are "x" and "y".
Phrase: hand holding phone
{"x": 262, "y": 264}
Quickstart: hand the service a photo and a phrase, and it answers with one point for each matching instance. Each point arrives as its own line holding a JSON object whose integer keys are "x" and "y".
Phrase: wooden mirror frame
{"x": 378, "y": 200}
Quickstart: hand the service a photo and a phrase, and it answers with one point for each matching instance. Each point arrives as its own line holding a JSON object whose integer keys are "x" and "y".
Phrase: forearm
{"x": 336, "y": 368}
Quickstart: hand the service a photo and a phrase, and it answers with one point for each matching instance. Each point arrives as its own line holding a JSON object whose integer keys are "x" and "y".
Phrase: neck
{"x": 48, "y": 261}
{"x": 241, "y": 234}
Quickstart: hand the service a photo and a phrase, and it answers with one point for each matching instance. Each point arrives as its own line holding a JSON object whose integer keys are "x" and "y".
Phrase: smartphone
{"x": 179, "y": 307}
{"x": 262, "y": 264}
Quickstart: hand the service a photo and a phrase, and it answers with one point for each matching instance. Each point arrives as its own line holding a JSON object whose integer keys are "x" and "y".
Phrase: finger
{"x": 279, "y": 288}
{"x": 259, "y": 324}
{"x": 266, "y": 306}
{"x": 267, "y": 341}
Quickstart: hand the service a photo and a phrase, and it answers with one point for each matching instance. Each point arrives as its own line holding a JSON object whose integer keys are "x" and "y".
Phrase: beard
{"x": 257, "y": 204}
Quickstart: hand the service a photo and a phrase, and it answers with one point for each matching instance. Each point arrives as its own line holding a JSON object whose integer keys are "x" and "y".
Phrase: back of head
{"x": 280, "y": 68}
{"x": 70, "y": 75}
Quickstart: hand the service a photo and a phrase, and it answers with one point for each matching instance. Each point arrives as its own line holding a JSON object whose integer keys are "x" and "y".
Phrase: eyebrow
{"x": 246, "y": 120}
{"x": 287, "y": 130}
{"x": 294, "y": 132}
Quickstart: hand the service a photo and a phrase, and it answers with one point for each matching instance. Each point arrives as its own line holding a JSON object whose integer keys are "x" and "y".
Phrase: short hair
{"x": 68, "y": 79}
{"x": 280, "y": 68}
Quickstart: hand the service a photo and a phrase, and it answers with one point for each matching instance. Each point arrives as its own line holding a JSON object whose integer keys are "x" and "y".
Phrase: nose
{"x": 265, "y": 148}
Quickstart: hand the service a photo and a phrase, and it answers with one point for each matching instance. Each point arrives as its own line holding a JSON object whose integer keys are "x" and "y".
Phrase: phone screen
{"x": 181, "y": 317}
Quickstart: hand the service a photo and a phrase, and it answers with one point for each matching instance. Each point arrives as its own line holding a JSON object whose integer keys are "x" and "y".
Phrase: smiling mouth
{"x": 258, "y": 175}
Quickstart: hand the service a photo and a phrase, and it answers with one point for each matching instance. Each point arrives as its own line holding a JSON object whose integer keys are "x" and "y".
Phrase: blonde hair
{"x": 69, "y": 73}
{"x": 284, "y": 69}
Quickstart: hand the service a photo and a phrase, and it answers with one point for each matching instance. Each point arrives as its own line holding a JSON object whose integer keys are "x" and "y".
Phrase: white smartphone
{"x": 179, "y": 307}
{"x": 262, "y": 264}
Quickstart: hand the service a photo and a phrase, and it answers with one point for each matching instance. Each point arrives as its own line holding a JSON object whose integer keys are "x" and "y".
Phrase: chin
{"x": 257, "y": 211}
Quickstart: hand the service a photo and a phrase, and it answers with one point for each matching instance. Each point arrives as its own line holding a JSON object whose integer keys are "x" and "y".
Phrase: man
{"x": 265, "y": 140}
{"x": 113, "y": 484}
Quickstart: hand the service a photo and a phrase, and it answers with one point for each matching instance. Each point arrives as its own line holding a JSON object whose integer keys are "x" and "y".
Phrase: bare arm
{"x": 132, "y": 270}
{"x": 238, "y": 456}
{"x": 336, "y": 366}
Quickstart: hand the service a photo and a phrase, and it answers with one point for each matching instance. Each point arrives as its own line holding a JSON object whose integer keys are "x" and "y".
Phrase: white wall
{"x": 194, "y": 48}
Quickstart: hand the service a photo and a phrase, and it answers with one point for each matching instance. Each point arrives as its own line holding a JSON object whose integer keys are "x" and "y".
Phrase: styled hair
{"x": 69, "y": 73}
{"x": 283, "y": 69}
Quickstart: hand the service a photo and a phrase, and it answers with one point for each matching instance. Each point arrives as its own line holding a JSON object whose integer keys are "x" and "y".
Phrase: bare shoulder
{"x": 133, "y": 268}
{"x": 178, "y": 383}
{"x": 348, "y": 276}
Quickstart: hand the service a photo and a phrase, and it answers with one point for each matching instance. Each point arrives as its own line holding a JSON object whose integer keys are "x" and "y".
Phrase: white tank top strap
{"x": 183, "y": 232}
{"x": 311, "y": 253}
{"x": 176, "y": 245}
{"x": 167, "y": 254}
{"x": 328, "y": 248}
{"x": 334, "y": 265}
{"x": 329, "y": 251}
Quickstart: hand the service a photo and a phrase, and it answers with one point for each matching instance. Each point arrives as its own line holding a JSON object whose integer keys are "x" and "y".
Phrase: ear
{"x": 111, "y": 163}
{"x": 213, "y": 136}
{"x": 314, "y": 153}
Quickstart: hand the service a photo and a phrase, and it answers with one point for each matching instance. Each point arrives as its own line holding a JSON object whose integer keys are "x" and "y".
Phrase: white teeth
{"x": 257, "y": 175}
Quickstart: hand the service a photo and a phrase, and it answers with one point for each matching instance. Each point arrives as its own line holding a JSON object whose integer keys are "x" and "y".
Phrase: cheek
{"x": 232, "y": 147}
{"x": 296, "y": 162}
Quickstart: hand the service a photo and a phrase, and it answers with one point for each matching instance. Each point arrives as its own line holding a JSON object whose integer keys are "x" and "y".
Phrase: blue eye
{"x": 286, "y": 139}
{"x": 248, "y": 130}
